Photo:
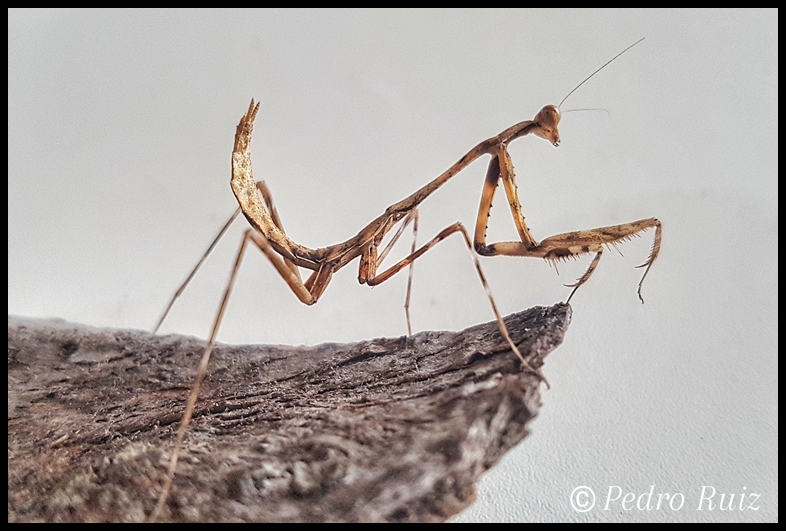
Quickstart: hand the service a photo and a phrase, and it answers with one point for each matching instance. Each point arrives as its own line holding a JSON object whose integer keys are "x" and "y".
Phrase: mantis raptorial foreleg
{"x": 560, "y": 246}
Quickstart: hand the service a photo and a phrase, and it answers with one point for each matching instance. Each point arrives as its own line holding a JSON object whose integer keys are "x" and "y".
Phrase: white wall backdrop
{"x": 120, "y": 128}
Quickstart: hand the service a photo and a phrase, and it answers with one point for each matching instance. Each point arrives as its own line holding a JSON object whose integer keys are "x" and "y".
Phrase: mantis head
{"x": 547, "y": 119}
{"x": 546, "y": 122}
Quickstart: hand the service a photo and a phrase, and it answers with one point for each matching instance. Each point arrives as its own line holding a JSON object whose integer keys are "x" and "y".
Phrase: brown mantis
{"x": 268, "y": 235}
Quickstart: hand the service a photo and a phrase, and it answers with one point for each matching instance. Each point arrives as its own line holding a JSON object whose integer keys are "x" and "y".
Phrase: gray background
{"x": 120, "y": 127}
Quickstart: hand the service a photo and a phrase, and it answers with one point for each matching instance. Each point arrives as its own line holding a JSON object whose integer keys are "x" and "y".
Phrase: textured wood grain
{"x": 380, "y": 430}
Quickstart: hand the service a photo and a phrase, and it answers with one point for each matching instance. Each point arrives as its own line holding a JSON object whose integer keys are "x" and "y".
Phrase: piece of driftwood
{"x": 380, "y": 430}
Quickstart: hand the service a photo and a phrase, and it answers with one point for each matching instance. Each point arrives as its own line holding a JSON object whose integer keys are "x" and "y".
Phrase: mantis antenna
{"x": 598, "y": 70}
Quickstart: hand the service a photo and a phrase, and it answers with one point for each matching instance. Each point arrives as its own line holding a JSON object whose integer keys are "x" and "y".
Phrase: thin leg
{"x": 412, "y": 217}
{"x": 265, "y": 192}
{"x": 458, "y": 227}
{"x": 193, "y": 271}
{"x": 318, "y": 282}
{"x": 192, "y": 397}
{"x": 307, "y": 292}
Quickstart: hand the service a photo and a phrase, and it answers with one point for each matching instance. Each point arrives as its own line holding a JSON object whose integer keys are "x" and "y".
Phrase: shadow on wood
{"x": 380, "y": 430}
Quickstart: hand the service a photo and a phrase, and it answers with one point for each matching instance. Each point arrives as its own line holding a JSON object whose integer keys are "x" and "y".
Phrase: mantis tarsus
{"x": 267, "y": 234}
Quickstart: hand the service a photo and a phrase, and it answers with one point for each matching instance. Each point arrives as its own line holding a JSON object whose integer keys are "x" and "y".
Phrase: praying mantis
{"x": 288, "y": 257}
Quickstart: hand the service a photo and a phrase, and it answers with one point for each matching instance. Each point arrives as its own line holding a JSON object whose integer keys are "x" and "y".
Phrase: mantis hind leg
{"x": 190, "y": 276}
{"x": 308, "y": 292}
{"x": 266, "y": 196}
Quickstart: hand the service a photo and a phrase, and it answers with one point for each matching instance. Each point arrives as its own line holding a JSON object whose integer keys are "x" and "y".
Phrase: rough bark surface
{"x": 380, "y": 430}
